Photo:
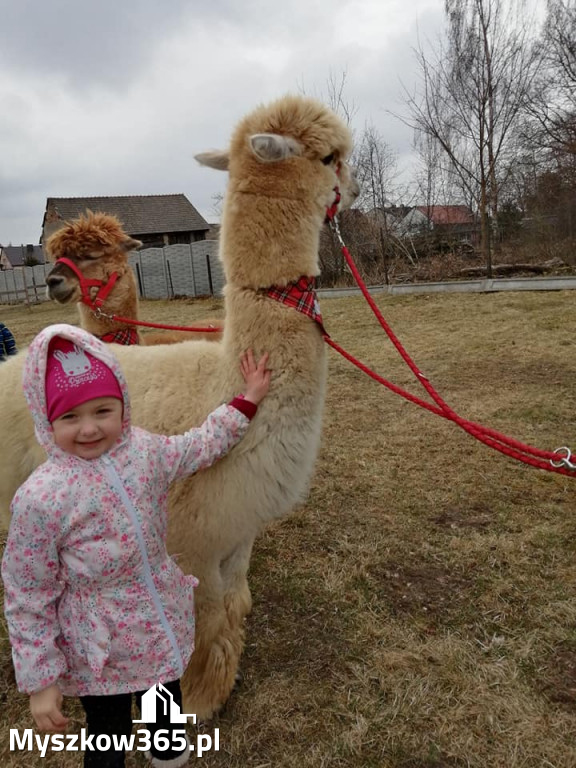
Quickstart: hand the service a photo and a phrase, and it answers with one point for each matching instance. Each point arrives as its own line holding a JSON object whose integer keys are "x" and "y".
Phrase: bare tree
{"x": 552, "y": 104}
{"x": 377, "y": 169}
{"x": 473, "y": 92}
{"x": 335, "y": 96}
{"x": 434, "y": 179}
{"x": 548, "y": 138}
{"x": 337, "y": 99}
{"x": 217, "y": 203}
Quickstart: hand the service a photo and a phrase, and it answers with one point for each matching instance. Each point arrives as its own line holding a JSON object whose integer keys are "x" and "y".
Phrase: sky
{"x": 116, "y": 97}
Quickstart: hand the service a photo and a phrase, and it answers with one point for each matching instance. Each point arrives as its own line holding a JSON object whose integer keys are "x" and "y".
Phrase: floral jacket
{"x": 92, "y": 599}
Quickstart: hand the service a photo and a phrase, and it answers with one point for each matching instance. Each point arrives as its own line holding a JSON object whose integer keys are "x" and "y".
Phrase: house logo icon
{"x": 158, "y": 696}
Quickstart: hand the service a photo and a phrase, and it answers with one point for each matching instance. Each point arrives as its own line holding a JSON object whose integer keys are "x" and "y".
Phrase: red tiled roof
{"x": 447, "y": 214}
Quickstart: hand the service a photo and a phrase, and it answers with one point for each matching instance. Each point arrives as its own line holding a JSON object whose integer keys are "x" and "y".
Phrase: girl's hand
{"x": 46, "y": 708}
{"x": 256, "y": 376}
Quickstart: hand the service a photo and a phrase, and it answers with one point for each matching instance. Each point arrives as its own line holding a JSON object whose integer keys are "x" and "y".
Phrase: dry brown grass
{"x": 418, "y": 611}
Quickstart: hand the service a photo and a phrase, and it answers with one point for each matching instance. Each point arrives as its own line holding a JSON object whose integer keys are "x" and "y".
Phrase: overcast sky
{"x": 115, "y": 97}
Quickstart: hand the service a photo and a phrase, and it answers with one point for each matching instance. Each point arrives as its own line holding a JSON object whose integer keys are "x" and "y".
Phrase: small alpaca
{"x": 285, "y": 162}
{"x": 98, "y": 246}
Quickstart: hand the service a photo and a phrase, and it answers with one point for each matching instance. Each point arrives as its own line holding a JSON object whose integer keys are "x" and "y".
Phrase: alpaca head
{"x": 96, "y": 244}
{"x": 285, "y": 161}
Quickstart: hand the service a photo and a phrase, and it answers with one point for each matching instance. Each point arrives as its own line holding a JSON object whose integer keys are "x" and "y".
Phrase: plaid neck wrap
{"x": 125, "y": 336}
{"x": 300, "y": 295}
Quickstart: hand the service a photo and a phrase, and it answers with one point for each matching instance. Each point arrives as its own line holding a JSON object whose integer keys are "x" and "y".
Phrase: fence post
{"x": 165, "y": 265}
{"x": 170, "y": 279}
{"x": 34, "y": 286}
{"x": 209, "y": 266}
{"x": 193, "y": 273}
{"x": 139, "y": 278}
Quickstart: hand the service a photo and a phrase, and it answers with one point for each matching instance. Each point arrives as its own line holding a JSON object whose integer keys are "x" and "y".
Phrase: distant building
{"x": 389, "y": 218}
{"x": 156, "y": 220}
{"x": 20, "y": 256}
{"x": 456, "y": 222}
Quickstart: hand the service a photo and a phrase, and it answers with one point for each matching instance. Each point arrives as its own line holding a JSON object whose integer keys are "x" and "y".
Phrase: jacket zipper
{"x": 148, "y": 578}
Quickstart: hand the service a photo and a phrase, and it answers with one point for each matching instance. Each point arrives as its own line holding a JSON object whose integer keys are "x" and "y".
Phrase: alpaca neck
{"x": 270, "y": 241}
{"x": 256, "y": 320}
{"x": 121, "y": 302}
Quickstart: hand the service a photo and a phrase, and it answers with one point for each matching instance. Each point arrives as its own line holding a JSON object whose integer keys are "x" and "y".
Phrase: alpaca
{"x": 285, "y": 161}
{"x": 98, "y": 246}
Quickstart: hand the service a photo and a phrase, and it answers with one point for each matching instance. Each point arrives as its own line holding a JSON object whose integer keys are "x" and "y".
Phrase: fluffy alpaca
{"x": 284, "y": 161}
{"x": 98, "y": 246}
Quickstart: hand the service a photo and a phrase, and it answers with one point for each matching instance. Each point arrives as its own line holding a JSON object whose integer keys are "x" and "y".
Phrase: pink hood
{"x": 34, "y": 376}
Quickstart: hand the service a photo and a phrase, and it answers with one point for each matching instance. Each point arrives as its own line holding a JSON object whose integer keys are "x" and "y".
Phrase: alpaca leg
{"x": 233, "y": 570}
{"x": 211, "y": 673}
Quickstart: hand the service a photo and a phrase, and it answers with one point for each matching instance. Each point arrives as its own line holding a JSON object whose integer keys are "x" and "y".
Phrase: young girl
{"x": 95, "y": 606}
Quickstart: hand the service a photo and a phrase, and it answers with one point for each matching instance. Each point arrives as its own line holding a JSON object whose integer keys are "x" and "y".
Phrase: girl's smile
{"x": 90, "y": 429}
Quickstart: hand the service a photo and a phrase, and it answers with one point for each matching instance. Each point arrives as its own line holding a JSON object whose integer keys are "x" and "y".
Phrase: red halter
{"x": 333, "y": 209}
{"x": 85, "y": 285}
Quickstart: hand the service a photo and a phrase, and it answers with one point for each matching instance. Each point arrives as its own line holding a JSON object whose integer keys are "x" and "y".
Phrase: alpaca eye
{"x": 328, "y": 159}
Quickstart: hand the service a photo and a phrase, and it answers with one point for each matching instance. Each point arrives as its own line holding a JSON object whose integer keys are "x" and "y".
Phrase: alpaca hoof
{"x": 238, "y": 680}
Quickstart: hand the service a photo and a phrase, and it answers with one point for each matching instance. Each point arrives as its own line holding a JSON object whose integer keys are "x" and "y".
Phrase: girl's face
{"x": 90, "y": 429}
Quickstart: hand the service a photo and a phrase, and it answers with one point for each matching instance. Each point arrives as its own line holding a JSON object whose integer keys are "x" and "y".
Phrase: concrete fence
{"x": 24, "y": 285}
{"x": 179, "y": 270}
{"x": 482, "y": 285}
{"x": 161, "y": 273}
{"x": 194, "y": 270}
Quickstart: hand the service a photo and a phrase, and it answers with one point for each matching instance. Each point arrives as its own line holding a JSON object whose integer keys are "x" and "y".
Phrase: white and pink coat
{"x": 92, "y": 599}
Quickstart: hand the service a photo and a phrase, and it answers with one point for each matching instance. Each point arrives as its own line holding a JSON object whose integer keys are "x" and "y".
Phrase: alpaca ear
{"x": 130, "y": 244}
{"x": 214, "y": 158}
{"x": 270, "y": 147}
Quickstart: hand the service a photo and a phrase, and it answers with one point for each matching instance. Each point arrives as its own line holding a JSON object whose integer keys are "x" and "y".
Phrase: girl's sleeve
{"x": 201, "y": 446}
{"x": 31, "y": 592}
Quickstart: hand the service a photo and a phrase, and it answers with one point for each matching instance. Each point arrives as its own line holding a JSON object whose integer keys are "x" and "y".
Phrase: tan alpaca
{"x": 98, "y": 246}
{"x": 283, "y": 161}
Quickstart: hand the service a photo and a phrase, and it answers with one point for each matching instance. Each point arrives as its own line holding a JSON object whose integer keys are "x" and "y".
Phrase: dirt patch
{"x": 294, "y": 628}
{"x": 478, "y": 517}
{"x": 434, "y": 761}
{"x": 427, "y": 589}
{"x": 560, "y": 677}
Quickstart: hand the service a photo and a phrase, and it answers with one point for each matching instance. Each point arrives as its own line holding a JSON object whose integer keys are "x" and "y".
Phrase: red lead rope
{"x": 103, "y": 289}
{"x": 548, "y": 460}
{"x": 192, "y": 328}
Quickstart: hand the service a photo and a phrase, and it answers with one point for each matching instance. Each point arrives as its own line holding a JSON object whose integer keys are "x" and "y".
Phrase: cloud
{"x": 84, "y": 43}
{"x": 117, "y": 98}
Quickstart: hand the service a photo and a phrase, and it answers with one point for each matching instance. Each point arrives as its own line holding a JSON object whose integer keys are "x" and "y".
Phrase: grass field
{"x": 419, "y": 610}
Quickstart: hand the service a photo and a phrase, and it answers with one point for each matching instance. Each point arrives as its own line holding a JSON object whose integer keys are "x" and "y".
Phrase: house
{"x": 389, "y": 218}
{"x": 453, "y": 222}
{"x": 156, "y": 220}
{"x": 20, "y": 256}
